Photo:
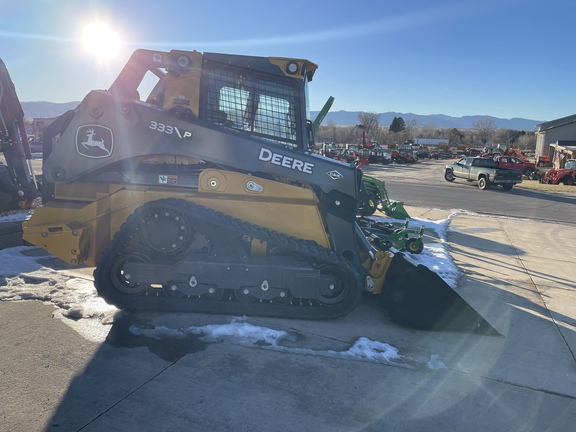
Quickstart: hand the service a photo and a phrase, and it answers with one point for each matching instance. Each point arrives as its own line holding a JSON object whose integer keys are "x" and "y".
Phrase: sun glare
{"x": 100, "y": 40}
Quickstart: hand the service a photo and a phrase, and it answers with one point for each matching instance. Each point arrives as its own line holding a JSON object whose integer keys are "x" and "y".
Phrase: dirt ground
{"x": 537, "y": 186}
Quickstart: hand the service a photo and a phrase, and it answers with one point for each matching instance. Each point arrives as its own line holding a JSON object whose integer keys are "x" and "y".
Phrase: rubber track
{"x": 313, "y": 252}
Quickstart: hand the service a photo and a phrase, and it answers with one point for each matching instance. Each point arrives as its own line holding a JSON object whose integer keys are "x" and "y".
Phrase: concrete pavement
{"x": 518, "y": 274}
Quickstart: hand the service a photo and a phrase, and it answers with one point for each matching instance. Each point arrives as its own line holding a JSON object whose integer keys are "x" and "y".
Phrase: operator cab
{"x": 265, "y": 97}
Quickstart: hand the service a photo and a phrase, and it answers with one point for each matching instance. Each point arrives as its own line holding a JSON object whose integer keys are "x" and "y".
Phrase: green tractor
{"x": 397, "y": 234}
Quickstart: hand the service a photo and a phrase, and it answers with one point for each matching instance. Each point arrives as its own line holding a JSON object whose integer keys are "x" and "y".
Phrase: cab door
{"x": 462, "y": 168}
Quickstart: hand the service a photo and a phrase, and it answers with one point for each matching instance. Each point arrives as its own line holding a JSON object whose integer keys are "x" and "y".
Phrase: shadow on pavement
{"x": 550, "y": 197}
{"x": 482, "y": 262}
{"x": 169, "y": 349}
{"x": 183, "y": 386}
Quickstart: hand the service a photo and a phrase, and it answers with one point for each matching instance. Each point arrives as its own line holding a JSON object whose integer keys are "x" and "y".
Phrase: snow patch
{"x": 251, "y": 336}
{"x": 15, "y": 216}
{"x": 435, "y": 255}
{"x": 436, "y": 363}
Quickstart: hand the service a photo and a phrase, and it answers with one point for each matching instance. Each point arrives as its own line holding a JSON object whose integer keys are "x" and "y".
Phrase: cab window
{"x": 252, "y": 104}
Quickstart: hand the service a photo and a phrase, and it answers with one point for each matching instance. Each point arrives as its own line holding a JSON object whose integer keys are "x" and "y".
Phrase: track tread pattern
{"x": 308, "y": 250}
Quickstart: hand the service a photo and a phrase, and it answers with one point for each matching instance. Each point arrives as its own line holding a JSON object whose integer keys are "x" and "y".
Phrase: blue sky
{"x": 503, "y": 58}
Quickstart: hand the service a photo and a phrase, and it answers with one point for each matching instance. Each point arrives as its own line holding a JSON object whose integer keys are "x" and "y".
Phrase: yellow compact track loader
{"x": 191, "y": 184}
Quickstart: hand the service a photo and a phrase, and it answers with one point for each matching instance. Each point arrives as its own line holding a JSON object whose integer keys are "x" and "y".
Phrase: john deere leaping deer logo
{"x": 94, "y": 141}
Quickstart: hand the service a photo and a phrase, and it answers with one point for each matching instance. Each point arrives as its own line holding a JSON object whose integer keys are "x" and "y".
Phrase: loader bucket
{"x": 417, "y": 297}
{"x": 377, "y": 190}
{"x": 395, "y": 209}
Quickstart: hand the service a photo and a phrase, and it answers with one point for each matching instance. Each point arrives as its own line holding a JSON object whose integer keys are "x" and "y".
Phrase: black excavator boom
{"x": 18, "y": 185}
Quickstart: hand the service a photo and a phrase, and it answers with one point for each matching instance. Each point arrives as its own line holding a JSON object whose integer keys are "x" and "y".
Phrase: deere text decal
{"x": 268, "y": 155}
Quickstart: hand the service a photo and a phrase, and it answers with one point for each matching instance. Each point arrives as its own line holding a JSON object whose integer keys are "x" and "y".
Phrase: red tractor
{"x": 401, "y": 158}
{"x": 566, "y": 175}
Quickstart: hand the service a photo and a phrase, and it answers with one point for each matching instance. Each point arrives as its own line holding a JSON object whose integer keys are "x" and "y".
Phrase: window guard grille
{"x": 249, "y": 103}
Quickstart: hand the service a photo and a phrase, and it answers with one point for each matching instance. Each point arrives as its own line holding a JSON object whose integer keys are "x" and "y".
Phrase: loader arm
{"x": 18, "y": 185}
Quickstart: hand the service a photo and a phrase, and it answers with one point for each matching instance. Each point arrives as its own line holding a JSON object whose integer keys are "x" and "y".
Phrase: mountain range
{"x": 46, "y": 109}
{"x": 350, "y": 118}
{"x": 340, "y": 118}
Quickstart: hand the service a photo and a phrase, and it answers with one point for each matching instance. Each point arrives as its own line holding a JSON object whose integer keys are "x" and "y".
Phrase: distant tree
{"x": 411, "y": 126}
{"x": 336, "y": 134}
{"x": 508, "y": 136}
{"x": 485, "y": 129}
{"x": 327, "y": 132}
{"x": 398, "y": 125}
{"x": 428, "y": 131}
{"x": 348, "y": 135}
{"x": 456, "y": 137}
{"x": 527, "y": 141}
{"x": 369, "y": 122}
{"x": 382, "y": 136}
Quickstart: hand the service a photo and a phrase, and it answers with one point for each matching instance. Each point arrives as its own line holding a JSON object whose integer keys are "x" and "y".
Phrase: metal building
{"x": 554, "y": 132}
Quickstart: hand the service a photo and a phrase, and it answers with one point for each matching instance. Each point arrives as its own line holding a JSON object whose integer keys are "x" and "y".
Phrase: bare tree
{"x": 411, "y": 126}
{"x": 527, "y": 141}
{"x": 485, "y": 128}
{"x": 510, "y": 137}
{"x": 348, "y": 134}
{"x": 327, "y": 132}
{"x": 369, "y": 122}
{"x": 428, "y": 131}
{"x": 382, "y": 136}
{"x": 456, "y": 137}
{"x": 336, "y": 134}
